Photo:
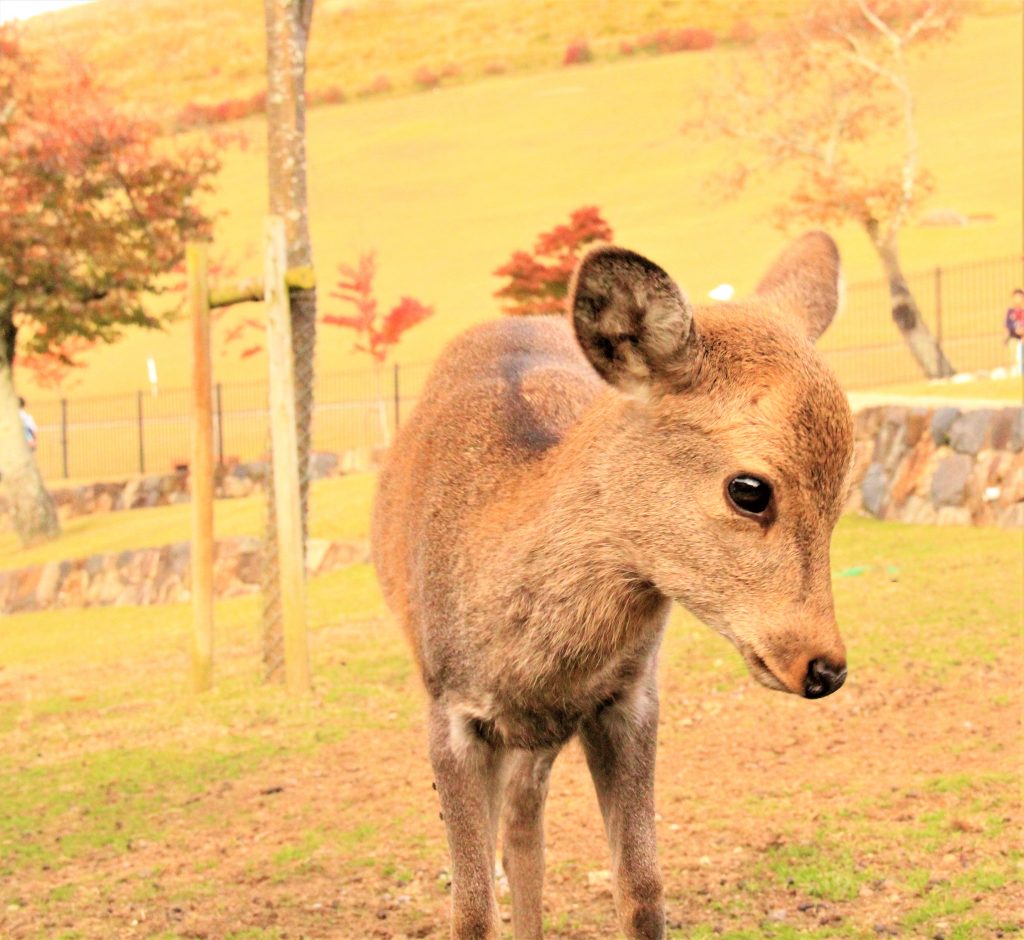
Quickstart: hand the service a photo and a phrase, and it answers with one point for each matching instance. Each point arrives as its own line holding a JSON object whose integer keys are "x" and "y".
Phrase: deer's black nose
{"x": 823, "y": 678}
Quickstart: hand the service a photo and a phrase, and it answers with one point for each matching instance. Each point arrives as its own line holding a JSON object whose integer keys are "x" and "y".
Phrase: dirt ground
{"x": 889, "y": 809}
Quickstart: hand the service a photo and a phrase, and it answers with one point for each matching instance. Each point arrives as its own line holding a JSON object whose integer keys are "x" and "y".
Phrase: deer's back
{"x": 498, "y": 400}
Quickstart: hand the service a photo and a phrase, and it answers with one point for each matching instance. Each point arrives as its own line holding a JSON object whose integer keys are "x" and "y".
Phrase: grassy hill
{"x": 210, "y": 50}
{"x": 446, "y": 185}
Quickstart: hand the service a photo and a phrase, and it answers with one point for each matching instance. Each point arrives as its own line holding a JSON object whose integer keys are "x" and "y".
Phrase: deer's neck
{"x": 577, "y": 589}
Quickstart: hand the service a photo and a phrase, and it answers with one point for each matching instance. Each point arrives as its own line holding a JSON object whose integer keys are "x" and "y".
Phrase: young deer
{"x": 559, "y": 484}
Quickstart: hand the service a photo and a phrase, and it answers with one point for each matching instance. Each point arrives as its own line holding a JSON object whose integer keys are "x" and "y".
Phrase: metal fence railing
{"x": 962, "y": 305}
{"x": 139, "y": 433}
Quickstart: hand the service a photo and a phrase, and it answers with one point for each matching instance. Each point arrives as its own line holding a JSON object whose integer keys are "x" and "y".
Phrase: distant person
{"x": 1015, "y": 329}
{"x": 32, "y": 432}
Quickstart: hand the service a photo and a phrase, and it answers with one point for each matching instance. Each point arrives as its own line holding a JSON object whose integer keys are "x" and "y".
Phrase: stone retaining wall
{"x": 940, "y": 465}
{"x": 154, "y": 575}
{"x": 230, "y": 481}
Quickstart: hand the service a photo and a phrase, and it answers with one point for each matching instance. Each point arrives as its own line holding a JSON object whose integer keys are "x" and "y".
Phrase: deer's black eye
{"x": 750, "y": 494}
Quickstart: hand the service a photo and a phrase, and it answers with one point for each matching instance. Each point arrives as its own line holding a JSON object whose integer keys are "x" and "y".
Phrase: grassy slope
{"x": 211, "y": 50}
{"x": 446, "y": 185}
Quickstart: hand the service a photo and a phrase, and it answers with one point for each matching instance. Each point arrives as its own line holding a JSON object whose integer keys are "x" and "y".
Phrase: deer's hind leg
{"x": 620, "y": 743}
{"x": 468, "y": 774}
{"x": 526, "y": 791}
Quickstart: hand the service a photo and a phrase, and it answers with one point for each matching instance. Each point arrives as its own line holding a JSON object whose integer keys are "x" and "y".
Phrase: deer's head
{"x": 728, "y": 469}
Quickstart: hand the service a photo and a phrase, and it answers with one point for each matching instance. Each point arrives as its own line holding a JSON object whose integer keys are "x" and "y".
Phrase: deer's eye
{"x": 750, "y": 494}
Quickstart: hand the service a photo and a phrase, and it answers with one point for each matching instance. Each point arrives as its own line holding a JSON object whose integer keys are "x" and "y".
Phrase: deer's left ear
{"x": 805, "y": 282}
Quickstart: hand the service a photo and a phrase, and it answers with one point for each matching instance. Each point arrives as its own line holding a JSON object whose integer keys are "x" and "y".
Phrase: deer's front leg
{"x": 526, "y": 791}
{"x": 467, "y": 771}
{"x": 620, "y": 743}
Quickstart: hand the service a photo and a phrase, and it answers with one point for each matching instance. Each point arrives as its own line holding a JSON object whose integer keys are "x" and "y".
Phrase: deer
{"x": 560, "y": 483}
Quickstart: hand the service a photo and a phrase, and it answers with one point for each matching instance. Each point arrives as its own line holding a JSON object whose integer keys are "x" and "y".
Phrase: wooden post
{"x": 284, "y": 438}
{"x": 398, "y": 400}
{"x": 64, "y": 436}
{"x": 140, "y": 424}
{"x": 201, "y": 471}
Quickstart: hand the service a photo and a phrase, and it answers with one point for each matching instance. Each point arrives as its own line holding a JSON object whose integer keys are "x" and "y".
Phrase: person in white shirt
{"x": 29, "y": 424}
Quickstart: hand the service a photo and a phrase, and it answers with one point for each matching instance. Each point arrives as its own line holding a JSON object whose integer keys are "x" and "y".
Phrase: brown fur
{"x": 534, "y": 523}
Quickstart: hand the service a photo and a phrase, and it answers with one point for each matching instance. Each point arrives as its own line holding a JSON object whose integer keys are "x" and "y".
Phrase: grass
{"x": 339, "y": 509}
{"x": 1010, "y": 390}
{"x": 446, "y": 186}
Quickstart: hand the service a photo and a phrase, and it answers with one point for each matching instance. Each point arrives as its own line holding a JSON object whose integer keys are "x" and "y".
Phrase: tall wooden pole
{"x": 287, "y": 500}
{"x": 287, "y": 33}
{"x": 201, "y": 471}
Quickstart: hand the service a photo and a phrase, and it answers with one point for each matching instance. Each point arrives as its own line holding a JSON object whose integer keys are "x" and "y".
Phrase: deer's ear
{"x": 805, "y": 282}
{"x": 630, "y": 318}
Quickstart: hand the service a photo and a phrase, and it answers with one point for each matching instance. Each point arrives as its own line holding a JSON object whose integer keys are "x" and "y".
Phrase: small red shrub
{"x": 578, "y": 53}
{"x": 687, "y": 39}
{"x": 332, "y": 94}
{"x": 626, "y": 48}
{"x": 381, "y": 85}
{"x": 426, "y": 78}
{"x": 742, "y": 32}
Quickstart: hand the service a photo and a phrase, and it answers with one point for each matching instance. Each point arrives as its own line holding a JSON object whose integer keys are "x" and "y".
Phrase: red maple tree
{"x": 94, "y": 210}
{"x": 538, "y": 282}
{"x": 376, "y": 333}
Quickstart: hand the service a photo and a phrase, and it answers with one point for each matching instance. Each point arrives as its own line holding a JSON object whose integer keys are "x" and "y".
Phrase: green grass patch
{"x": 819, "y": 871}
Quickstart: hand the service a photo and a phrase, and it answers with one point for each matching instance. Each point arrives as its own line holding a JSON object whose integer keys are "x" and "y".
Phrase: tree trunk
{"x": 907, "y": 316}
{"x": 287, "y": 31}
{"x": 32, "y": 509}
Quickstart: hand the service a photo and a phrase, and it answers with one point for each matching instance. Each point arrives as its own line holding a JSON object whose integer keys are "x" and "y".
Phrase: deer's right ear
{"x": 806, "y": 283}
{"x": 630, "y": 318}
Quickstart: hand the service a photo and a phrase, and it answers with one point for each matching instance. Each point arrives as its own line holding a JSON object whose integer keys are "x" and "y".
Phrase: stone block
{"x": 949, "y": 484}
{"x": 873, "y": 490}
{"x": 1010, "y": 517}
{"x": 1017, "y": 431}
{"x": 953, "y": 515}
{"x": 866, "y": 423}
{"x": 970, "y": 431}
{"x": 891, "y": 440}
{"x": 918, "y": 510}
{"x": 910, "y": 473}
{"x": 322, "y": 465}
{"x": 918, "y": 421}
{"x": 942, "y": 421}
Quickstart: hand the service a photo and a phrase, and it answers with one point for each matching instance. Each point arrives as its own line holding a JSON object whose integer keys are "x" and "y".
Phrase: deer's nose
{"x": 823, "y": 678}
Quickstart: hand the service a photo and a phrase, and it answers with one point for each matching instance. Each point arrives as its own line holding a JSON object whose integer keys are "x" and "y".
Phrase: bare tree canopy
{"x": 828, "y": 98}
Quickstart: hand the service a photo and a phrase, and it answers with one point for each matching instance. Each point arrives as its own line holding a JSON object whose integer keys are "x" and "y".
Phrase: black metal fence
{"x": 142, "y": 432}
{"x": 964, "y": 307}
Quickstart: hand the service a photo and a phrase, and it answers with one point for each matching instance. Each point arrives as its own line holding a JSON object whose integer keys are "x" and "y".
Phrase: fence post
{"x": 284, "y": 445}
{"x": 64, "y": 436}
{"x": 220, "y": 427}
{"x": 201, "y": 470}
{"x": 938, "y": 313}
{"x": 142, "y": 450}
{"x": 397, "y": 399}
